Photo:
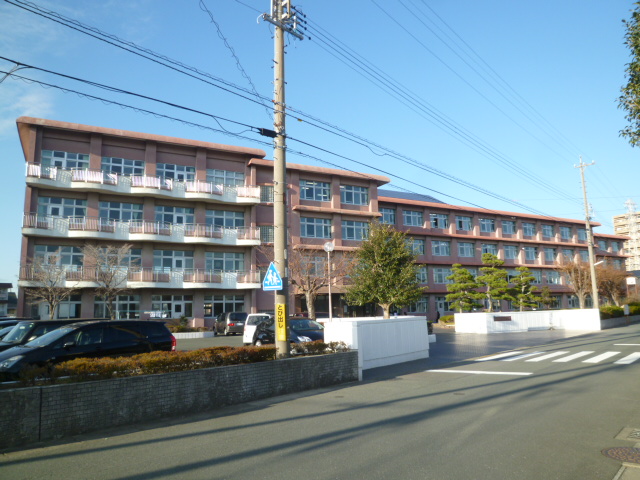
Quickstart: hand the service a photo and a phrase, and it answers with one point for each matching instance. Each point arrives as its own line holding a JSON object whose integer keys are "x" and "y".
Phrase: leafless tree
{"x": 611, "y": 282}
{"x": 110, "y": 264}
{"x": 578, "y": 278}
{"x": 308, "y": 271}
{"x": 49, "y": 282}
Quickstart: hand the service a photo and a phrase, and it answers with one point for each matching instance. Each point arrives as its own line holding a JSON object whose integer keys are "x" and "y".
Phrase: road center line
{"x": 627, "y": 344}
{"x": 480, "y": 372}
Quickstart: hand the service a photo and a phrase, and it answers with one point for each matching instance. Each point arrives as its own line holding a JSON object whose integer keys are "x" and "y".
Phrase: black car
{"x": 101, "y": 338}
{"x": 300, "y": 330}
{"x": 4, "y": 331}
{"x": 26, "y": 331}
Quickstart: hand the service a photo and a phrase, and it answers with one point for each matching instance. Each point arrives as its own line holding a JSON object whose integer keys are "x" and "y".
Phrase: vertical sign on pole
{"x": 281, "y": 322}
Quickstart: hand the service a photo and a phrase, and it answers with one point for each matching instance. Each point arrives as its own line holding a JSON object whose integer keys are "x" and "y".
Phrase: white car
{"x": 250, "y": 326}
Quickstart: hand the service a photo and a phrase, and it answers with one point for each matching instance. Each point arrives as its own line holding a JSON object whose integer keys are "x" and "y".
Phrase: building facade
{"x": 628, "y": 225}
{"x": 199, "y": 215}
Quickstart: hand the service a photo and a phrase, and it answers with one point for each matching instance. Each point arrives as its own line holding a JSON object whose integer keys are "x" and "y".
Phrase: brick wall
{"x": 29, "y": 415}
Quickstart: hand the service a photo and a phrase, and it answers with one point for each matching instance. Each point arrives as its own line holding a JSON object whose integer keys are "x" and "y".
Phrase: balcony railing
{"x": 53, "y": 274}
{"x": 151, "y": 228}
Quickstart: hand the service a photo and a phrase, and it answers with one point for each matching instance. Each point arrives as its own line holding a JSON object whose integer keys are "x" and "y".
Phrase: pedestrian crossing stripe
{"x": 518, "y": 355}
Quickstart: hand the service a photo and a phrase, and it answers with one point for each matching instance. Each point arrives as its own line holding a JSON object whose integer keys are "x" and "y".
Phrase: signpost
{"x": 273, "y": 282}
{"x": 272, "y": 279}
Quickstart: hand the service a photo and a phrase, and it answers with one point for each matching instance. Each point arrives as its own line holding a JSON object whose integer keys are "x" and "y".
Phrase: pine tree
{"x": 463, "y": 289}
{"x": 523, "y": 291}
{"x": 493, "y": 280}
{"x": 384, "y": 271}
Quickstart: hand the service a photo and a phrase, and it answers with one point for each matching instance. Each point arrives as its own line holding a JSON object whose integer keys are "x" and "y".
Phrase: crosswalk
{"x": 584, "y": 356}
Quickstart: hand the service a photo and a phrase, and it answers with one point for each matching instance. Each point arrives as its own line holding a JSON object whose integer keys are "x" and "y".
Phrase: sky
{"x": 487, "y": 104}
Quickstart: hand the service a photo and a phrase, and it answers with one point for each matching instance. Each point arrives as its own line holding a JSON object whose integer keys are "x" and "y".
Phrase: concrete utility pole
{"x": 285, "y": 20}
{"x": 592, "y": 265}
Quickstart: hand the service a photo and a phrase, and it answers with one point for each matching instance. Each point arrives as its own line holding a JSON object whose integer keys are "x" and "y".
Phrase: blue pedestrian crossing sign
{"x": 272, "y": 279}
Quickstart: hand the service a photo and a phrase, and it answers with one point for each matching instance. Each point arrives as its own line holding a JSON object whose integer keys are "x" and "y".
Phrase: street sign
{"x": 281, "y": 322}
{"x": 272, "y": 279}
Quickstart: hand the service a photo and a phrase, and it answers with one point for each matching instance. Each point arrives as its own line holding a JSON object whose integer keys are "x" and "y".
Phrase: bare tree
{"x": 611, "y": 282}
{"x": 48, "y": 281}
{"x": 110, "y": 264}
{"x": 308, "y": 271}
{"x": 578, "y": 278}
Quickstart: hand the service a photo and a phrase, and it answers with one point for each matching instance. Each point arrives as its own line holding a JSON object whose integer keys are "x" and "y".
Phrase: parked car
{"x": 300, "y": 330}
{"x": 230, "y": 322}
{"x": 88, "y": 339}
{"x": 250, "y": 324}
{"x": 26, "y": 331}
{"x": 8, "y": 322}
{"x": 4, "y": 331}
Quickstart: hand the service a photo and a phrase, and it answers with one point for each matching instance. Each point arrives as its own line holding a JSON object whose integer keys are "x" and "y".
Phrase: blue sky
{"x": 504, "y": 96}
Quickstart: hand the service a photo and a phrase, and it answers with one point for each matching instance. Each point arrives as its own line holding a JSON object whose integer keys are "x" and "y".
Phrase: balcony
{"x": 137, "y": 230}
{"x": 135, "y": 278}
{"x": 88, "y": 180}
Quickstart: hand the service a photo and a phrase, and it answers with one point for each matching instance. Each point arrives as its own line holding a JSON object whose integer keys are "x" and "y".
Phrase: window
{"x": 602, "y": 245}
{"x": 466, "y": 249}
{"x": 266, "y": 193}
{"x": 226, "y": 177}
{"x": 65, "y": 160}
{"x": 528, "y": 229}
{"x": 508, "y": 227}
{"x": 353, "y": 230}
{"x": 388, "y": 216}
{"x": 173, "y": 305}
{"x": 463, "y": 223}
{"x": 125, "y": 307}
{"x": 617, "y": 263}
{"x": 511, "y": 274}
{"x": 225, "y": 218}
{"x": 422, "y": 275}
{"x": 417, "y": 245}
{"x": 440, "y": 275}
{"x": 568, "y": 254}
{"x": 421, "y": 306}
{"x": 530, "y": 253}
{"x": 122, "y": 166}
{"x": 565, "y": 233}
{"x": 70, "y": 308}
{"x": 312, "y": 190}
{"x": 537, "y": 275}
{"x": 315, "y": 227}
{"x": 62, "y": 207}
{"x": 439, "y": 220}
{"x": 352, "y": 195}
{"x": 440, "y": 248}
{"x": 181, "y": 173}
{"x": 473, "y": 271}
{"x": 582, "y": 234}
{"x": 573, "y": 302}
{"x": 214, "y": 305}
{"x": 550, "y": 254}
{"x": 168, "y": 260}
{"x": 69, "y": 257}
{"x": 487, "y": 225}
{"x": 442, "y": 305}
{"x": 266, "y": 233}
{"x": 121, "y": 211}
{"x": 224, "y": 261}
{"x": 510, "y": 252}
{"x": 412, "y": 218}
{"x": 584, "y": 255}
{"x": 174, "y": 215}
{"x": 547, "y": 231}
{"x": 553, "y": 277}
{"x": 491, "y": 248}
{"x": 316, "y": 266}
{"x": 615, "y": 247}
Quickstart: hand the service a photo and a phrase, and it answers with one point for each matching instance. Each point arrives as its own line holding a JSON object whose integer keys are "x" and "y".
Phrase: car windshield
{"x": 304, "y": 324}
{"x": 257, "y": 319}
{"x": 4, "y": 331}
{"x": 19, "y": 332}
{"x": 50, "y": 337}
{"x": 238, "y": 316}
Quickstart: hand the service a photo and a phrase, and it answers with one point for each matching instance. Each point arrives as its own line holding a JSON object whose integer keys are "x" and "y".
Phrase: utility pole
{"x": 592, "y": 265}
{"x": 285, "y": 20}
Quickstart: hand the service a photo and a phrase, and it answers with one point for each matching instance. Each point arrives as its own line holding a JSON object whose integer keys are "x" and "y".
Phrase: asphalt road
{"x": 513, "y": 417}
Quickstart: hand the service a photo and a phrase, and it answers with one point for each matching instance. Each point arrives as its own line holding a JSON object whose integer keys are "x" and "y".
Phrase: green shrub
{"x": 446, "y": 319}
{"x": 610, "y": 311}
{"x": 634, "y": 308}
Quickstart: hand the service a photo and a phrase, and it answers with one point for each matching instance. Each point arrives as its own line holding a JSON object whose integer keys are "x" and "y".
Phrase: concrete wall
{"x": 381, "y": 342}
{"x": 29, "y": 415}
{"x": 587, "y": 319}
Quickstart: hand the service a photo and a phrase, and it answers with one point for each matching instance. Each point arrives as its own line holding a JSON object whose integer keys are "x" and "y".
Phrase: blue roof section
{"x": 408, "y": 196}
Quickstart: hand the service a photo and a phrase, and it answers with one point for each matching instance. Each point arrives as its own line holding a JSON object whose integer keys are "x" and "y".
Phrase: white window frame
{"x": 528, "y": 229}
{"x": 388, "y": 216}
{"x": 466, "y": 249}
{"x": 122, "y": 166}
{"x": 120, "y": 211}
{"x": 440, "y": 248}
{"x": 355, "y": 230}
{"x": 227, "y": 177}
{"x": 566, "y": 233}
{"x": 224, "y": 261}
{"x": 508, "y": 227}
{"x": 491, "y": 248}
{"x": 439, "y": 220}
{"x": 180, "y": 173}
{"x": 354, "y": 195}
{"x": 312, "y": 227}
{"x": 487, "y": 225}
{"x": 530, "y": 253}
{"x": 510, "y": 252}
{"x": 315, "y": 190}
{"x": 440, "y": 275}
{"x": 463, "y": 223}
{"x": 225, "y": 218}
{"x": 548, "y": 231}
{"x": 412, "y": 218}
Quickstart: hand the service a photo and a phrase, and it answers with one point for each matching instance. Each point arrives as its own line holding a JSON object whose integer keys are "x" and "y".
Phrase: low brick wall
{"x": 29, "y": 415}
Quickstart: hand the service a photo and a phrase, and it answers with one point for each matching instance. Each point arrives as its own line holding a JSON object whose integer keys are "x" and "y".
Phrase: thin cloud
{"x": 22, "y": 101}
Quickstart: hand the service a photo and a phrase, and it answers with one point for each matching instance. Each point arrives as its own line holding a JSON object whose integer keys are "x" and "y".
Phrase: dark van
{"x": 88, "y": 339}
{"x": 28, "y": 330}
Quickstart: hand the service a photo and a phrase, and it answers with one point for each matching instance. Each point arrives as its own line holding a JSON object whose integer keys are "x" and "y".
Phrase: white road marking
{"x": 500, "y": 355}
{"x": 601, "y": 357}
{"x": 547, "y": 357}
{"x": 480, "y": 372}
{"x": 574, "y": 356}
{"x": 628, "y": 359}
{"x": 520, "y": 357}
{"x": 627, "y": 344}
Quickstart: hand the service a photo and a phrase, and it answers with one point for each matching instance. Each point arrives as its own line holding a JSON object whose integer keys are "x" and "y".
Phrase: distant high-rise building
{"x": 628, "y": 224}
